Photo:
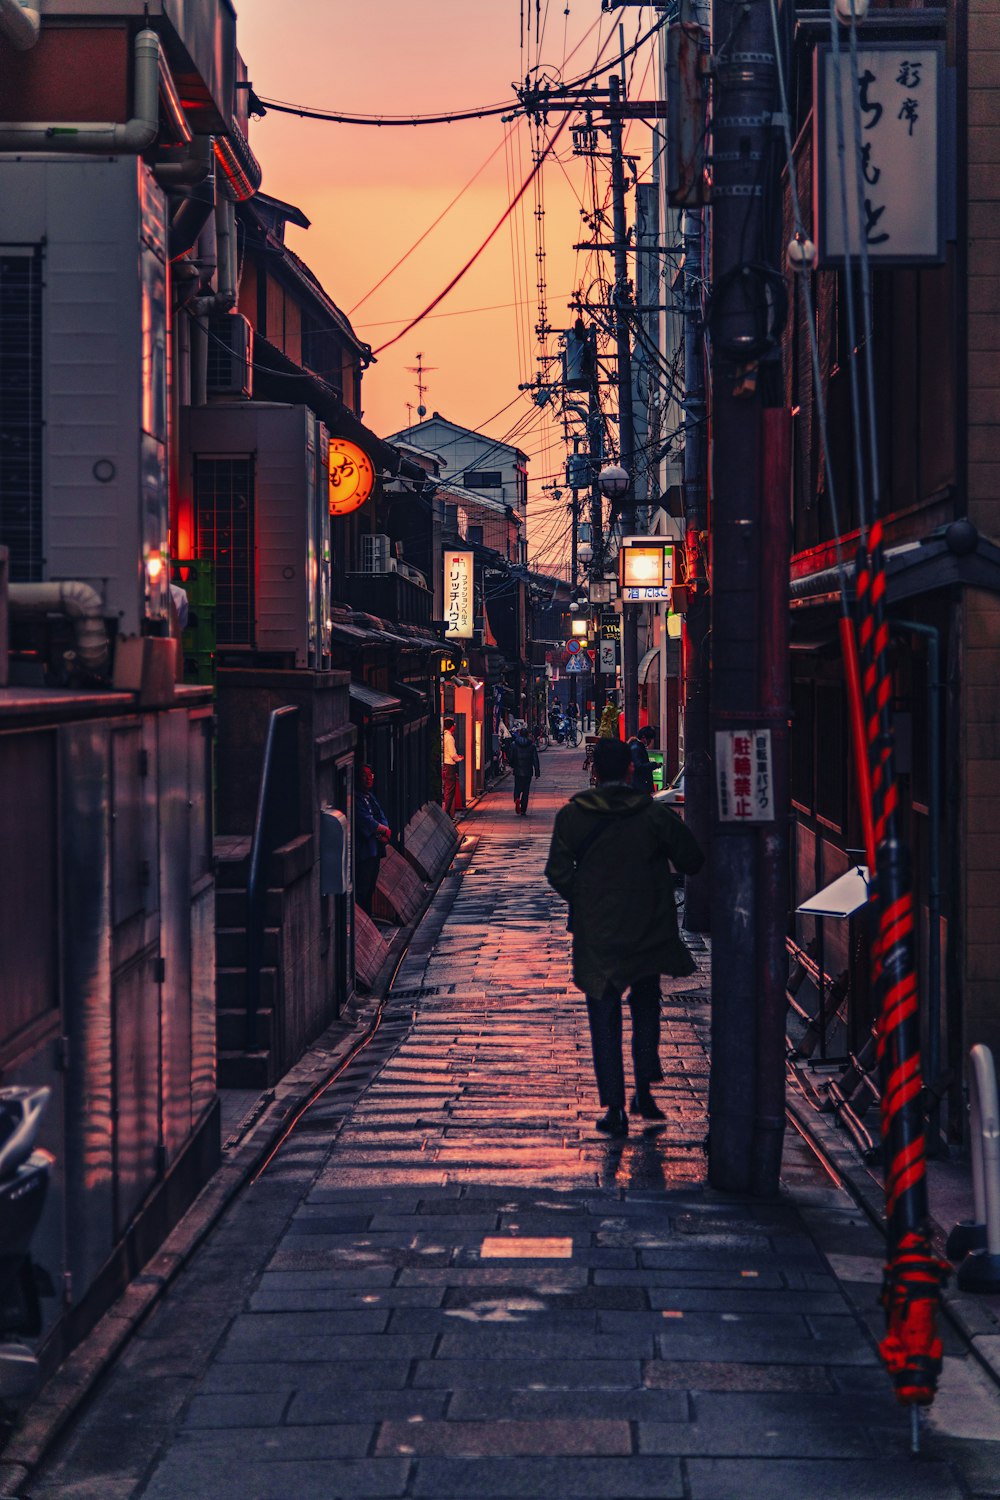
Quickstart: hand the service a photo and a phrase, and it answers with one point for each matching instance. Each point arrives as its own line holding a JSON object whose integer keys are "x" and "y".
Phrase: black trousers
{"x": 522, "y": 786}
{"x": 365, "y": 879}
{"x": 605, "y": 1016}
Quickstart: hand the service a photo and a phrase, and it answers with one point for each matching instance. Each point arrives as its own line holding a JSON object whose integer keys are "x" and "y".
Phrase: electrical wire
{"x": 461, "y": 312}
{"x": 444, "y": 212}
{"x": 479, "y": 250}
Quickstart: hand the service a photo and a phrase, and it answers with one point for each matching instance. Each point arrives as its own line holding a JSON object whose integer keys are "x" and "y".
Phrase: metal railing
{"x": 978, "y": 1240}
{"x": 276, "y": 823}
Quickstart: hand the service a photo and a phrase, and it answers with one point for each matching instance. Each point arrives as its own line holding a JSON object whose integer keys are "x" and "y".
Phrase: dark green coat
{"x": 622, "y": 896}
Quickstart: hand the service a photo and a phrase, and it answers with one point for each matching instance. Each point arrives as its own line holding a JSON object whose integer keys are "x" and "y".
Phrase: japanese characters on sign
{"x": 609, "y": 656}
{"x": 744, "y": 779}
{"x": 899, "y": 89}
{"x": 458, "y": 594}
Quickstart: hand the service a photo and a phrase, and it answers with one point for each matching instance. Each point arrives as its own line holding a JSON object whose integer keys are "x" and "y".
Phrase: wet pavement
{"x": 446, "y": 1284}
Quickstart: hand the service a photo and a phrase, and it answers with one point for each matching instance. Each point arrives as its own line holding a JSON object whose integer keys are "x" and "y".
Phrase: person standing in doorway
{"x": 524, "y": 763}
{"x": 373, "y": 833}
{"x": 642, "y": 766}
{"x": 451, "y": 770}
{"x": 624, "y": 925}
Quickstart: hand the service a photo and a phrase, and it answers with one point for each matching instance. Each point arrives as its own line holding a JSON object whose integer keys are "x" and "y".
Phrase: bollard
{"x": 980, "y": 1270}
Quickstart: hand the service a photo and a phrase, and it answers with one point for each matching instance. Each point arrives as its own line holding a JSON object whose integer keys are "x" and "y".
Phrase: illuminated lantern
{"x": 351, "y": 477}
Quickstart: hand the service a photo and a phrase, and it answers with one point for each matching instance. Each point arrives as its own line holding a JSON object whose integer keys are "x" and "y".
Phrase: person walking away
{"x": 373, "y": 834}
{"x": 642, "y": 766}
{"x": 624, "y": 926}
{"x": 525, "y": 764}
{"x": 450, "y": 770}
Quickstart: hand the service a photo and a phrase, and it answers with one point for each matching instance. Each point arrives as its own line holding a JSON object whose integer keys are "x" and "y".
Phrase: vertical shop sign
{"x": 458, "y": 594}
{"x": 901, "y": 97}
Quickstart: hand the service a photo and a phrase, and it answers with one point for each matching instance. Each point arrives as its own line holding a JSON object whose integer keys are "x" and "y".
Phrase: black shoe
{"x": 615, "y": 1122}
{"x": 646, "y": 1106}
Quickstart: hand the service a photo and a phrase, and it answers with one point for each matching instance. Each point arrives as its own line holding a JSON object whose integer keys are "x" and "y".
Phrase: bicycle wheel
{"x": 542, "y": 742}
{"x": 575, "y": 735}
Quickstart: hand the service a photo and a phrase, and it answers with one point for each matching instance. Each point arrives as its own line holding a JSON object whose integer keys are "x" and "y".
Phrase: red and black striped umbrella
{"x": 911, "y": 1347}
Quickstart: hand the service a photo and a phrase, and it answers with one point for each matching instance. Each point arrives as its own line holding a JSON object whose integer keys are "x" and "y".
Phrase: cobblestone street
{"x": 446, "y": 1284}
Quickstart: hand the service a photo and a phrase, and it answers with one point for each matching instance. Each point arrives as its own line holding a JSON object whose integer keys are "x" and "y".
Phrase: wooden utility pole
{"x": 626, "y": 427}
{"x": 744, "y": 1149}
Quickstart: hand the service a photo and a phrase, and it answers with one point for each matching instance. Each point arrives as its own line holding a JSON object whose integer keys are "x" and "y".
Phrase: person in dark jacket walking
{"x": 642, "y": 768}
{"x": 624, "y": 925}
{"x": 524, "y": 763}
{"x": 373, "y": 834}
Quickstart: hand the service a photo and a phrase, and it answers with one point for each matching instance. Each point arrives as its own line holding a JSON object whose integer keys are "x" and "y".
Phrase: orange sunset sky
{"x": 370, "y": 193}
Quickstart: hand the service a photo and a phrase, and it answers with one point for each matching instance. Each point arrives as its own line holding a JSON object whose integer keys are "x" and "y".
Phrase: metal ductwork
{"x": 225, "y": 241}
{"x": 80, "y": 604}
{"x": 188, "y": 168}
{"x": 136, "y": 136}
{"x": 240, "y": 168}
{"x": 19, "y": 24}
{"x": 192, "y": 207}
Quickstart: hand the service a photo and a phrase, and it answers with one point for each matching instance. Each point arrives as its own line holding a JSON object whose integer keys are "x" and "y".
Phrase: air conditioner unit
{"x": 376, "y": 555}
{"x": 256, "y": 474}
{"x": 230, "y": 355}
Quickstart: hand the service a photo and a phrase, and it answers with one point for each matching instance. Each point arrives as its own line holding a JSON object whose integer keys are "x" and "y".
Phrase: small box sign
{"x": 743, "y": 776}
{"x": 899, "y": 89}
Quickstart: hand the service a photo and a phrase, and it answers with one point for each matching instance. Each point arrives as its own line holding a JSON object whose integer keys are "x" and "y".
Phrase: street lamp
{"x": 614, "y": 481}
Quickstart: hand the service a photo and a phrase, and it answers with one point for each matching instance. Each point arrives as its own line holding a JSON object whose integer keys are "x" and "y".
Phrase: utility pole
{"x": 626, "y": 430}
{"x": 698, "y": 789}
{"x": 574, "y": 563}
{"x": 595, "y": 450}
{"x": 744, "y": 1151}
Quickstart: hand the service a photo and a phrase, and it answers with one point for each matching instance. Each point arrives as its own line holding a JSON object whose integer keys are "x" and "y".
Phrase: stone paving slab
{"x": 344, "y": 1333}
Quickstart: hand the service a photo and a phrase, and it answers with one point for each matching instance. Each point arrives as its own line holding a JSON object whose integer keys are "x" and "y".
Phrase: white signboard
{"x": 743, "y": 776}
{"x": 645, "y": 594}
{"x": 609, "y": 656}
{"x": 459, "y": 608}
{"x": 900, "y": 91}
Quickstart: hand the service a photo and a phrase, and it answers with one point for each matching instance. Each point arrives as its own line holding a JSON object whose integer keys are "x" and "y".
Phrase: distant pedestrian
{"x": 642, "y": 767}
{"x": 524, "y": 763}
{"x": 611, "y": 856}
{"x": 373, "y": 834}
{"x": 608, "y": 727}
{"x": 451, "y": 770}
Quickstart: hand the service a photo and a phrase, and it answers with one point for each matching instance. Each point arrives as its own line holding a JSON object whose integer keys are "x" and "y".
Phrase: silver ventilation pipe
{"x": 130, "y": 139}
{"x": 19, "y": 23}
{"x": 80, "y": 604}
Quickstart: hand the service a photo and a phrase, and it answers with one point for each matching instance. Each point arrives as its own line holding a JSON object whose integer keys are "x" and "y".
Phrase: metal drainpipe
{"x": 132, "y": 138}
{"x": 932, "y": 636}
{"x": 19, "y": 24}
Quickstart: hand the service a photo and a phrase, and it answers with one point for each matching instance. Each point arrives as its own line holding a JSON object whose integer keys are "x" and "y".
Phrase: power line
{"x": 406, "y": 255}
{"x": 479, "y": 250}
{"x": 461, "y": 312}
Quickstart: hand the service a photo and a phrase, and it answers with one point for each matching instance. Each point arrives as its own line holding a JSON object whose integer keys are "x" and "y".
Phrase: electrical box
{"x": 334, "y": 852}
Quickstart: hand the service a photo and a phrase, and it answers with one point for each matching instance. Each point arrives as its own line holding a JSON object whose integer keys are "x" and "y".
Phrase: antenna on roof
{"x": 420, "y": 370}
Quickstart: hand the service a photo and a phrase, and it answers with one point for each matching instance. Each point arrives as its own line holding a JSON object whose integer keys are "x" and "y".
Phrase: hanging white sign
{"x": 898, "y": 172}
{"x": 458, "y": 594}
{"x": 609, "y": 656}
{"x": 743, "y": 776}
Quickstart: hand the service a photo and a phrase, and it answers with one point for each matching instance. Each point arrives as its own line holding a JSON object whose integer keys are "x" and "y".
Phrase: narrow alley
{"x": 446, "y": 1284}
